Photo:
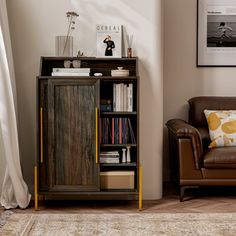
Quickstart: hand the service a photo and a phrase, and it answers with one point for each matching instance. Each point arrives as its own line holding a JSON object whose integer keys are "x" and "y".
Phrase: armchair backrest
{"x": 198, "y": 104}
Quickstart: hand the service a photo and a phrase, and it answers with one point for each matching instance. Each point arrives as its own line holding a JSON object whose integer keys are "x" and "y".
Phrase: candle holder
{"x": 128, "y": 157}
{"x": 123, "y": 155}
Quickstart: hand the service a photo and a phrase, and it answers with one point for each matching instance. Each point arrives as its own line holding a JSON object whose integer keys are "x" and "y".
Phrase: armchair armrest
{"x": 181, "y": 129}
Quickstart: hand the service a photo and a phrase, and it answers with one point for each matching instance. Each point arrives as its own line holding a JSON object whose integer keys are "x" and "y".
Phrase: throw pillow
{"x": 222, "y": 127}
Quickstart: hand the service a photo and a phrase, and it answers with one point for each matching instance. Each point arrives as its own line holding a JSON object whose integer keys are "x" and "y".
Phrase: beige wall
{"x": 182, "y": 79}
{"x": 34, "y": 24}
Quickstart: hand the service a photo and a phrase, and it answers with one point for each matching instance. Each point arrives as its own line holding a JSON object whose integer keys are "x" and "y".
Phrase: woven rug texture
{"x": 143, "y": 224}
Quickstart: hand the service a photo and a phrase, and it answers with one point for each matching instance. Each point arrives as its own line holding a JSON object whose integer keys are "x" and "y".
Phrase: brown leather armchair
{"x": 188, "y": 143}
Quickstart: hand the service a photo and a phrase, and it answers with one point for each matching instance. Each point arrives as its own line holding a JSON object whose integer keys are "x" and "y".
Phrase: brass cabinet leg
{"x": 140, "y": 189}
{"x": 35, "y": 188}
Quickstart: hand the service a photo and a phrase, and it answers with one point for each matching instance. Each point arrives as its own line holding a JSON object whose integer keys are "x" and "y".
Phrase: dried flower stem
{"x": 71, "y": 18}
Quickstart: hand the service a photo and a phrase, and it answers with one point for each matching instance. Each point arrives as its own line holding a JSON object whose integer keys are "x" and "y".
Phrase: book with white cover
{"x": 71, "y": 70}
{"x": 70, "y": 74}
{"x": 125, "y": 100}
{"x": 118, "y": 97}
{"x": 114, "y": 98}
{"x": 130, "y": 98}
{"x": 121, "y": 97}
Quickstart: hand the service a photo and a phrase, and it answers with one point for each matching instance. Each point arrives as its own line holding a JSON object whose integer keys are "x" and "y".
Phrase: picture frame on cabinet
{"x": 216, "y": 33}
{"x": 109, "y": 41}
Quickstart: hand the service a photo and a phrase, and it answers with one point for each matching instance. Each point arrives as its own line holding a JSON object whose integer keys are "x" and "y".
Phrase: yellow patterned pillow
{"x": 222, "y": 127}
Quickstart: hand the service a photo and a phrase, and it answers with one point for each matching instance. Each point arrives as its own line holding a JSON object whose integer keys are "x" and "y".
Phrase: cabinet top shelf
{"x": 90, "y": 77}
{"x": 91, "y": 58}
{"x": 96, "y": 65}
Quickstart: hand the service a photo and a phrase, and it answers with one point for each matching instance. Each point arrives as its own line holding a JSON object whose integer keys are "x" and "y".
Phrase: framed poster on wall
{"x": 216, "y": 33}
{"x": 109, "y": 41}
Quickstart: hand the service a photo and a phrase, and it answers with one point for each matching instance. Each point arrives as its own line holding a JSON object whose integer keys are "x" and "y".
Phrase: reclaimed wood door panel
{"x": 72, "y": 135}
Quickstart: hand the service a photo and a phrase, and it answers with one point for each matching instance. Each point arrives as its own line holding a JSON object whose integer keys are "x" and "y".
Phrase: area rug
{"x": 145, "y": 224}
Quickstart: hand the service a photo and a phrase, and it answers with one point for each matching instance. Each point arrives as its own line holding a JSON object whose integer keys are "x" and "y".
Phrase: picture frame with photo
{"x": 109, "y": 41}
{"x": 216, "y": 33}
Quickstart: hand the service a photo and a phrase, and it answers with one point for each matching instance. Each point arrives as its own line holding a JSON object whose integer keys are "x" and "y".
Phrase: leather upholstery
{"x": 220, "y": 158}
{"x": 199, "y": 165}
{"x": 198, "y": 104}
{"x": 205, "y": 137}
{"x": 183, "y": 130}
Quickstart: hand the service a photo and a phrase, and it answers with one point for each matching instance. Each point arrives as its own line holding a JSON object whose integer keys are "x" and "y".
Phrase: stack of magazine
{"x": 71, "y": 72}
{"x": 110, "y": 157}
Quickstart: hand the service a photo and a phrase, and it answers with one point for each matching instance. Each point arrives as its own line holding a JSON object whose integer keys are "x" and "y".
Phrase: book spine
{"x": 131, "y": 132}
{"x": 130, "y": 98}
{"x": 114, "y": 98}
{"x": 121, "y": 97}
{"x": 120, "y": 130}
{"x": 115, "y": 131}
{"x": 118, "y": 97}
{"x": 125, "y": 98}
{"x": 112, "y": 131}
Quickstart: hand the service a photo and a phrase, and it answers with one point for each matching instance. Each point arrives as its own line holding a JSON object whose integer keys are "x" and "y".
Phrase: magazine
{"x": 109, "y": 41}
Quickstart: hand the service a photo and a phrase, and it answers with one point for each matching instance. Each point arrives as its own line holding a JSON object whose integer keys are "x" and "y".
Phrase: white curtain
{"x": 14, "y": 190}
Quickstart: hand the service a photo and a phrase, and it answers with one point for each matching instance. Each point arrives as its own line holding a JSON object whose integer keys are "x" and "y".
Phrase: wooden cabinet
{"x": 69, "y": 130}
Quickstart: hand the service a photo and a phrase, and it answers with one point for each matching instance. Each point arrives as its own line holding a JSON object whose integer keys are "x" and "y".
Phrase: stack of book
{"x": 71, "y": 72}
{"x": 123, "y": 97}
{"x": 110, "y": 157}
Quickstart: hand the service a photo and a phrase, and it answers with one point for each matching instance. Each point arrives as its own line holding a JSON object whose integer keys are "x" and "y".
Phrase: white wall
{"x": 182, "y": 79}
{"x": 34, "y": 24}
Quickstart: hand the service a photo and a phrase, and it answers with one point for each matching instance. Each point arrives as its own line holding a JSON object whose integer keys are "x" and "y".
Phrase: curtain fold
{"x": 14, "y": 189}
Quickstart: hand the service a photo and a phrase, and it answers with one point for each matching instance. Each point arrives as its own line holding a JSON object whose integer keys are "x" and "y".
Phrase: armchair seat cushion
{"x": 218, "y": 158}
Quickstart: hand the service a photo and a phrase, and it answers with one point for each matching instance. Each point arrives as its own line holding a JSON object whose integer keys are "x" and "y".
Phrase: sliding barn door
{"x": 72, "y": 135}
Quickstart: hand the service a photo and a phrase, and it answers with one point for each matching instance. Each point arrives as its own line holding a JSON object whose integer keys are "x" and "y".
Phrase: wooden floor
{"x": 204, "y": 200}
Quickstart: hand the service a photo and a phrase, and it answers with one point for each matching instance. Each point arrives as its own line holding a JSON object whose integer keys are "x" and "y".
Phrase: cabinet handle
{"x": 41, "y": 134}
{"x": 96, "y": 135}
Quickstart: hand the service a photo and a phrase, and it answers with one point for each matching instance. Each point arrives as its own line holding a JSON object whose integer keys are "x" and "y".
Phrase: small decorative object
{"x": 67, "y": 63}
{"x": 128, "y": 157}
{"x": 120, "y": 72}
{"x": 109, "y": 41}
{"x": 76, "y": 63}
{"x": 123, "y": 155}
{"x": 64, "y": 44}
{"x": 98, "y": 74}
{"x": 80, "y": 54}
{"x": 130, "y": 42}
{"x": 105, "y": 105}
{"x": 216, "y": 36}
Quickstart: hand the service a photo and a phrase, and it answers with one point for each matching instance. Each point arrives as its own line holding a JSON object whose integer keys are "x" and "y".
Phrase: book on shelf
{"x": 123, "y": 97}
{"x": 130, "y": 97}
{"x": 116, "y": 131}
{"x": 110, "y": 153}
{"x": 70, "y": 74}
{"x": 105, "y": 105}
{"x": 109, "y": 157}
{"x": 109, "y": 160}
{"x": 71, "y": 70}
